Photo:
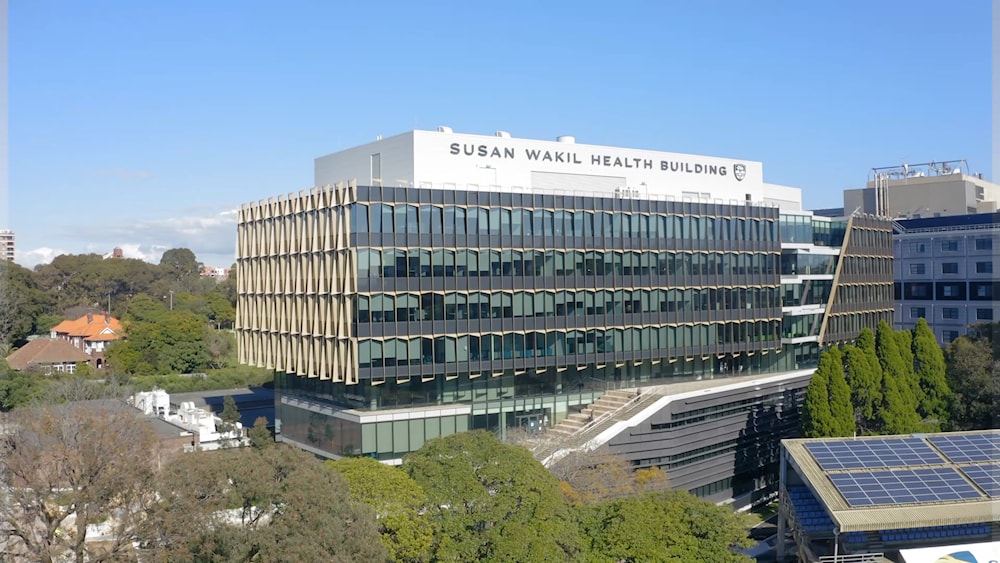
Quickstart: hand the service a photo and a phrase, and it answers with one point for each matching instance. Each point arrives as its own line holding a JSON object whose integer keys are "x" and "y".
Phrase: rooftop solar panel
{"x": 872, "y": 453}
{"x": 901, "y": 486}
{"x": 964, "y": 448}
{"x": 985, "y": 476}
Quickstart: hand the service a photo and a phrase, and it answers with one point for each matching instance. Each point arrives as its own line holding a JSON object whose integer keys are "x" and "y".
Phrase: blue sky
{"x": 144, "y": 124}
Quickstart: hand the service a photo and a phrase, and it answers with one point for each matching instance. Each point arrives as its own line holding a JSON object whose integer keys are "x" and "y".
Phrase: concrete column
{"x": 780, "y": 546}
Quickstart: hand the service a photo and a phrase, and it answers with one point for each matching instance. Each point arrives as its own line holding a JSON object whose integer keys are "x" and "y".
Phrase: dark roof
{"x": 251, "y": 402}
{"x": 834, "y": 212}
{"x": 45, "y": 351}
{"x": 951, "y": 221}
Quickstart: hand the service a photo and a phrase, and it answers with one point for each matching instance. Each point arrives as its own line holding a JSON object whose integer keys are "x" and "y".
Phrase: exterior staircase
{"x": 610, "y": 401}
{"x": 578, "y": 429}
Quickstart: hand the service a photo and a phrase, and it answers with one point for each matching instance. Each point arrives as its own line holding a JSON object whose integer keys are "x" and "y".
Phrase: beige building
{"x": 7, "y": 244}
{"x": 924, "y": 190}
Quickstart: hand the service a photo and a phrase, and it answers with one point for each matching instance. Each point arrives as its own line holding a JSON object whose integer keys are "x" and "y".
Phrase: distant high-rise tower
{"x": 6, "y": 244}
{"x": 117, "y": 253}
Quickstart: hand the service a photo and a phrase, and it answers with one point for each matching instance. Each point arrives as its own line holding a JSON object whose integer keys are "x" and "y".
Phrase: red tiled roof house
{"x": 90, "y": 333}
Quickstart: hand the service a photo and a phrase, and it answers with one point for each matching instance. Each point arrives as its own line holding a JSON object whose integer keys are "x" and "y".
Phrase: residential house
{"x": 47, "y": 355}
{"x": 90, "y": 333}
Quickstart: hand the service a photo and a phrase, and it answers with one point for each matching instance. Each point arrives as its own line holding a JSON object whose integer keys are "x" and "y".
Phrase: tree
{"x": 865, "y": 384}
{"x": 259, "y": 435}
{"x": 69, "y": 466}
{"x": 219, "y": 310}
{"x": 21, "y": 302}
{"x": 898, "y": 411}
{"x": 220, "y": 347}
{"x": 587, "y": 477}
{"x": 974, "y": 377}
{"x": 664, "y": 526}
{"x": 930, "y": 368}
{"x": 182, "y": 270}
{"x": 159, "y": 341}
{"x": 841, "y": 409}
{"x": 893, "y": 416}
{"x": 18, "y": 389}
{"x": 399, "y": 503}
{"x": 248, "y": 504}
{"x": 492, "y": 502}
{"x": 904, "y": 341}
{"x": 817, "y": 418}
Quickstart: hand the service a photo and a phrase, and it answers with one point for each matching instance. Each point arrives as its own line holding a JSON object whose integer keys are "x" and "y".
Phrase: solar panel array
{"x": 986, "y": 476}
{"x": 964, "y": 448}
{"x": 872, "y": 453}
{"x": 899, "y": 486}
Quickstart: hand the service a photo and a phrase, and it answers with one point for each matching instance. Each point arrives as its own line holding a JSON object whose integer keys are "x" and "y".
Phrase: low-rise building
{"x": 207, "y": 431}
{"x": 91, "y": 333}
{"x": 48, "y": 356}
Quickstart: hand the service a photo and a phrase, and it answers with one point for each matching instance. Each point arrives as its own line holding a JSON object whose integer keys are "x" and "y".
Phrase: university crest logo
{"x": 740, "y": 171}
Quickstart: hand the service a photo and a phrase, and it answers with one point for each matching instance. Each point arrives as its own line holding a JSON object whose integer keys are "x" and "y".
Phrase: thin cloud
{"x": 41, "y": 255}
{"x": 210, "y": 236}
{"x": 124, "y": 173}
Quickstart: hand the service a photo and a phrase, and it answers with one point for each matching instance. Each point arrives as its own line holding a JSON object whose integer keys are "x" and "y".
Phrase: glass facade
{"x": 467, "y": 309}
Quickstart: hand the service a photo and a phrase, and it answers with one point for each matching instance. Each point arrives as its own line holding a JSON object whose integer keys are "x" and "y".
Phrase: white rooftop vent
{"x": 503, "y": 134}
{"x": 444, "y": 129}
{"x": 568, "y": 139}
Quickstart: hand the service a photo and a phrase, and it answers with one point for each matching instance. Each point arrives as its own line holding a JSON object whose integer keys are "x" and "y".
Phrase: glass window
{"x": 949, "y": 313}
{"x": 918, "y": 269}
{"x": 918, "y": 312}
{"x": 984, "y": 314}
{"x": 918, "y": 247}
{"x": 949, "y": 246}
{"x": 984, "y": 244}
{"x": 449, "y": 220}
{"x": 984, "y": 267}
{"x": 949, "y": 268}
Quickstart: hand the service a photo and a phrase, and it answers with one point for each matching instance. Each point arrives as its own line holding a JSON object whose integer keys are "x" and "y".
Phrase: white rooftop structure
{"x": 196, "y": 420}
{"x": 444, "y": 159}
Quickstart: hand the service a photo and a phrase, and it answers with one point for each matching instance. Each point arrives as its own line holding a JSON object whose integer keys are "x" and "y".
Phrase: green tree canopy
{"x": 827, "y": 410}
{"x": 865, "y": 384}
{"x": 159, "y": 341}
{"x": 21, "y": 302}
{"x": 592, "y": 476}
{"x": 669, "y": 526}
{"x": 817, "y": 418}
{"x": 974, "y": 377}
{"x": 493, "y": 502}
{"x": 930, "y": 369}
{"x": 841, "y": 409}
{"x": 898, "y": 412}
{"x": 259, "y": 435}
{"x": 248, "y": 504}
{"x": 904, "y": 341}
{"x": 399, "y": 503}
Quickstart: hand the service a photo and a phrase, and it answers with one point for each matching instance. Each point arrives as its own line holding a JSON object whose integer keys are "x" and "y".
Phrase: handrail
{"x": 853, "y": 558}
{"x": 591, "y": 423}
{"x": 980, "y": 227}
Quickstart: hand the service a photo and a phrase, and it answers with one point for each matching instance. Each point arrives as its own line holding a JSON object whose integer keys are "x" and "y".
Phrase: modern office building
{"x": 7, "y": 245}
{"x": 439, "y": 282}
{"x": 944, "y": 270}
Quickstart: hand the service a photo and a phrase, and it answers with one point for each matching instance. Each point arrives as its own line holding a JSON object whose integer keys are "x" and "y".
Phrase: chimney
{"x": 107, "y": 318}
{"x": 90, "y": 318}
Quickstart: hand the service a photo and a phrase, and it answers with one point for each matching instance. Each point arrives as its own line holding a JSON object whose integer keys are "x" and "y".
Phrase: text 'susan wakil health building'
{"x": 667, "y": 307}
